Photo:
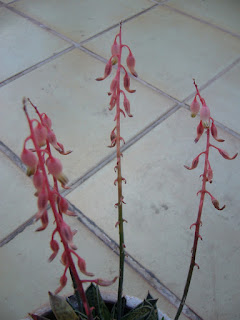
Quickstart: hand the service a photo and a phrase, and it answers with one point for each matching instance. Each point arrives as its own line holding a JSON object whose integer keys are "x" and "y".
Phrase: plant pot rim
{"x": 107, "y": 296}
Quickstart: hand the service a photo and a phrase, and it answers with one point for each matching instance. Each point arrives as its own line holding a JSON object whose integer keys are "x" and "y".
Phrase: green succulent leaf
{"x": 61, "y": 309}
{"x": 95, "y": 300}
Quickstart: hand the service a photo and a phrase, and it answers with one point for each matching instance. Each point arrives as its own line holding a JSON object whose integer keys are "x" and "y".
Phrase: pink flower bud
{"x": 63, "y": 282}
{"x": 200, "y": 130}
{"x": 51, "y": 137}
{"x": 215, "y": 202}
{"x": 63, "y": 205}
{"x": 214, "y": 132}
{"x": 107, "y": 71}
{"x": 205, "y": 116}
{"x": 30, "y": 160}
{"x": 115, "y": 48}
{"x": 68, "y": 234}
{"x": 209, "y": 174}
{"x": 40, "y": 134}
{"x": 126, "y": 105}
{"x": 113, "y": 138}
{"x": 126, "y": 83}
{"x": 195, "y": 107}
{"x": 64, "y": 259}
{"x": 113, "y": 86}
{"x": 54, "y": 166}
{"x": 42, "y": 200}
{"x": 82, "y": 267}
{"x": 112, "y": 102}
{"x": 44, "y": 220}
{"x": 226, "y": 155}
{"x": 46, "y": 121}
{"x": 131, "y": 64}
{"x": 194, "y": 164}
{"x": 55, "y": 247}
{"x": 38, "y": 179}
{"x": 105, "y": 283}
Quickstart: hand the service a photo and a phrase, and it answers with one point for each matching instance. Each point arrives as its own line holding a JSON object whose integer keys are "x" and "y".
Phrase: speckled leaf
{"x": 139, "y": 313}
{"x": 61, "y": 309}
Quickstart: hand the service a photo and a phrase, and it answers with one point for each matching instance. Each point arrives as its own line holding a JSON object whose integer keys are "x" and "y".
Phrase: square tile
{"x": 222, "y": 13}
{"x": 223, "y": 96}
{"x": 17, "y": 201}
{"x": 23, "y": 44}
{"x": 66, "y": 90}
{"x": 171, "y": 49}
{"x": 26, "y": 276}
{"x": 79, "y": 20}
{"x": 161, "y": 204}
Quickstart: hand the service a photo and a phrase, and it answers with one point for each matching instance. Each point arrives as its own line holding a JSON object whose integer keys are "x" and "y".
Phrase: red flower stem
{"x": 119, "y": 180}
{"x": 51, "y": 197}
{"x": 197, "y": 235}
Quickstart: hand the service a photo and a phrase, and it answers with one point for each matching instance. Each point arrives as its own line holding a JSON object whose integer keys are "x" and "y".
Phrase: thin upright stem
{"x": 197, "y": 235}
{"x": 120, "y": 196}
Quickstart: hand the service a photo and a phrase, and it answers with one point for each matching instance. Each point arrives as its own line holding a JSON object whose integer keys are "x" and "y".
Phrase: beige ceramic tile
{"x": 23, "y": 44}
{"x": 222, "y": 13}
{"x": 161, "y": 205}
{"x": 80, "y": 20}
{"x": 17, "y": 201}
{"x": 223, "y": 96}
{"x": 171, "y": 49}
{"x": 26, "y": 276}
{"x": 78, "y": 105}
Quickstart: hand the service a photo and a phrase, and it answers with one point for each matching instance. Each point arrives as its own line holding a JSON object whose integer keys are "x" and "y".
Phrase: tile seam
{"x": 151, "y": 279}
{"x": 233, "y": 34}
{"x": 35, "y": 66}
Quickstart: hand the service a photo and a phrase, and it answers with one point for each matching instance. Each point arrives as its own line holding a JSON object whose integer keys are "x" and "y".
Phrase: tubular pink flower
{"x": 55, "y": 248}
{"x": 112, "y": 102}
{"x": 52, "y": 139}
{"x": 205, "y": 116}
{"x": 107, "y": 71}
{"x": 126, "y": 105}
{"x": 46, "y": 120}
{"x": 44, "y": 220}
{"x": 126, "y": 83}
{"x": 82, "y": 267}
{"x": 214, "y": 133}
{"x": 54, "y": 166}
{"x": 40, "y": 134}
{"x": 194, "y": 107}
{"x": 113, "y": 86}
{"x": 63, "y": 282}
{"x": 30, "y": 160}
{"x": 63, "y": 206}
{"x": 103, "y": 282}
{"x": 200, "y": 130}
{"x": 131, "y": 64}
{"x": 194, "y": 163}
{"x": 225, "y": 155}
{"x": 42, "y": 200}
{"x": 38, "y": 179}
{"x": 115, "y": 49}
{"x": 68, "y": 234}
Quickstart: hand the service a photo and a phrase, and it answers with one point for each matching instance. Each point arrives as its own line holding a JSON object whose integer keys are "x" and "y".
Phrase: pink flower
{"x": 40, "y": 134}
{"x": 107, "y": 71}
{"x": 126, "y": 83}
{"x": 54, "y": 166}
{"x": 194, "y": 107}
{"x": 200, "y": 130}
{"x": 205, "y": 116}
{"x": 131, "y": 64}
{"x": 30, "y": 160}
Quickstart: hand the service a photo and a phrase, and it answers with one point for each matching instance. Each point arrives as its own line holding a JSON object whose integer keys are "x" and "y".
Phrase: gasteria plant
{"x": 116, "y": 92}
{"x": 206, "y": 124}
{"x": 41, "y": 164}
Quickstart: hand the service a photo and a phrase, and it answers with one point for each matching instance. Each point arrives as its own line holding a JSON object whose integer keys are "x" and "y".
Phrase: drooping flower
{"x": 131, "y": 64}
{"x": 205, "y": 116}
{"x": 55, "y": 168}
{"x": 194, "y": 107}
{"x": 30, "y": 160}
{"x": 200, "y": 130}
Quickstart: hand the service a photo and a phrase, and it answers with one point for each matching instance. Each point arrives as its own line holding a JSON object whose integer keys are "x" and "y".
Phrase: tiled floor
{"x": 52, "y": 51}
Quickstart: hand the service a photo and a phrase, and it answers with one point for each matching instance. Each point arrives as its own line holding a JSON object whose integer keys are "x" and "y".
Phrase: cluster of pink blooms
{"x": 206, "y": 123}
{"x": 41, "y": 164}
{"x": 116, "y": 92}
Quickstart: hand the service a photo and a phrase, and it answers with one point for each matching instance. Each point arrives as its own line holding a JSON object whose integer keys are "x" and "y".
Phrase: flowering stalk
{"x": 115, "y": 137}
{"x": 39, "y": 161}
{"x": 206, "y": 124}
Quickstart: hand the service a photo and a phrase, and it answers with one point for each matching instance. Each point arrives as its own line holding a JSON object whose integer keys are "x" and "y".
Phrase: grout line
{"x": 202, "y": 21}
{"x": 35, "y": 66}
{"x": 12, "y": 156}
{"x": 117, "y": 24}
{"x": 133, "y": 263}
